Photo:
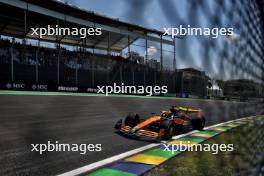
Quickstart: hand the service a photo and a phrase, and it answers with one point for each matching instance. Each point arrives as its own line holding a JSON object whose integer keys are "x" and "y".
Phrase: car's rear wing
{"x": 187, "y": 109}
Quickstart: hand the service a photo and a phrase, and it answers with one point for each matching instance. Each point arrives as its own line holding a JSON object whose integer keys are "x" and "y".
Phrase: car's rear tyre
{"x": 169, "y": 129}
{"x": 198, "y": 123}
{"x": 132, "y": 120}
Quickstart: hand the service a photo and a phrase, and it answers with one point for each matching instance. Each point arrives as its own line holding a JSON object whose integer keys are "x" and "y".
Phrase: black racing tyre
{"x": 132, "y": 120}
{"x": 168, "y": 126}
{"x": 198, "y": 123}
{"x": 178, "y": 129}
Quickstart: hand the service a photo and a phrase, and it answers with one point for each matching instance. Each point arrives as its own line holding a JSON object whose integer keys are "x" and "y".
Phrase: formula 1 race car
{"x": 162, "y": 126}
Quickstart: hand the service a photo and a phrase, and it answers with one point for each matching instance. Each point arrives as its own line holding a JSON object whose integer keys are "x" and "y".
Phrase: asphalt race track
{"x": 31, "y": 119}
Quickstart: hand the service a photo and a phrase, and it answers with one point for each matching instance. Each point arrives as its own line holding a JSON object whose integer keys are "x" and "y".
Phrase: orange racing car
{"x": 163, "y": 126}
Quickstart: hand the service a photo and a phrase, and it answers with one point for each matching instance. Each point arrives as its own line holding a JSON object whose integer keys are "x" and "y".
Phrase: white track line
{"x": 112, "y": 159}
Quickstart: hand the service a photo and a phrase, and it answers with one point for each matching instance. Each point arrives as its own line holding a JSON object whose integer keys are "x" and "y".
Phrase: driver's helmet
{"x": 166, "y": 115}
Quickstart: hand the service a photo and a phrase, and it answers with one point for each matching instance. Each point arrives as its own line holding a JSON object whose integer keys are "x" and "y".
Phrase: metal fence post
{"x": 37, "y": 61}
{"x": 58, "y": 66}
{"x": 12, "y": 60}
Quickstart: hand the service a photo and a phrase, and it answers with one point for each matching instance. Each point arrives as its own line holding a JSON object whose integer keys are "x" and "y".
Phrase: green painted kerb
{"x": 161, "y": 153}
{"x": 208, "y": 132}
{"x": 109, "y": 172}
{"x": 189, "y": 139}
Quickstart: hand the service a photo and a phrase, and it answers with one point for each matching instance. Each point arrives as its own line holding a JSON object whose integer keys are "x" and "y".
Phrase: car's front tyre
{"x": 169, "y": 129}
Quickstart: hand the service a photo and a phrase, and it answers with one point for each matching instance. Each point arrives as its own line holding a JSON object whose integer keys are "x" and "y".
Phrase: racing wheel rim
{"x": 171, "y": 131}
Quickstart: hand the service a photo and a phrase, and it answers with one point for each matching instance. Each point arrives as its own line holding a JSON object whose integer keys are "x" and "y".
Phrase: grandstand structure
{"x": 96, "y": 60}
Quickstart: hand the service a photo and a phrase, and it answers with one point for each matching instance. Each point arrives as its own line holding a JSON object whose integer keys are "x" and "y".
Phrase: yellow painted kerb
{"x": 218, "y": 129}
{"x": 202, "y": 135}
{"x": 147, "y": 159}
